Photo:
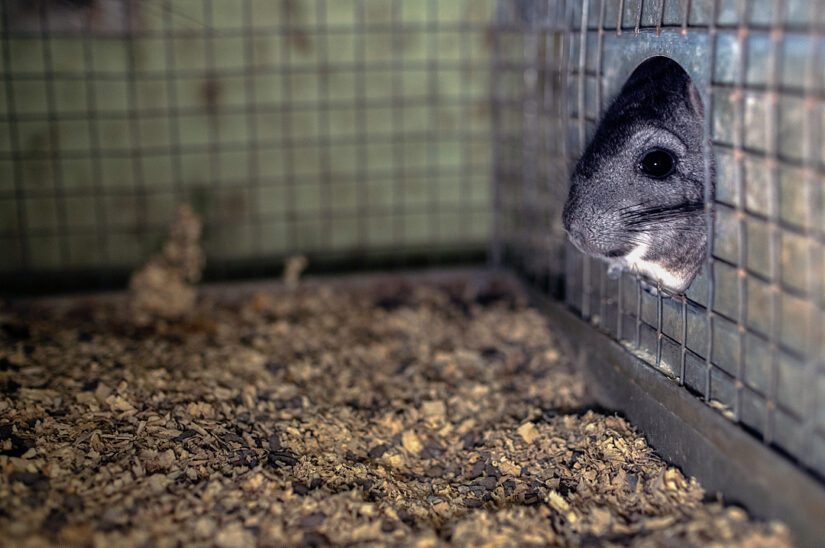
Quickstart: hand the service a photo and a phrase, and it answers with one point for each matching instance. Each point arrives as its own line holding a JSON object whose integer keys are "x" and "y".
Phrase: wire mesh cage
{"x": 747, "y": 336}
{"x": 385, "y": 132}
{"x": 352, "y": 131}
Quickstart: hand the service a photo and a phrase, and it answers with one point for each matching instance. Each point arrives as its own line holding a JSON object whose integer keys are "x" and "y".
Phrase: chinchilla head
{"x": 637, "y": 194}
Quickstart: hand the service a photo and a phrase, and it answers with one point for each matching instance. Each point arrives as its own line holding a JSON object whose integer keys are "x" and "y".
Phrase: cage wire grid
{"x": 748, "y": 335}
{"x": 353, "y": 131}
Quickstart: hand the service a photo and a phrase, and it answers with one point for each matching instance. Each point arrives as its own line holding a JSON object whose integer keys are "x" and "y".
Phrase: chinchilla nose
{"x": 575, "y": 223}
{"x": 575, "y": 230}
{"x": 577, "y": 227}
{"x": 584, "y": 238}
{"x": 569, "y": 216}
{"x": 593, "y": 231}
{"x": 577, "y": 220}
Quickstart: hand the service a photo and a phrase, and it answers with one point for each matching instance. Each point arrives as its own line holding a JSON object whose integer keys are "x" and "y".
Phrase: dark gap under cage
{"x": 355, "y": 136}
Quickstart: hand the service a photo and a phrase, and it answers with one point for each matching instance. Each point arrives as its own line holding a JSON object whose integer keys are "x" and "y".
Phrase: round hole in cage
{"x": 638, "y": 193}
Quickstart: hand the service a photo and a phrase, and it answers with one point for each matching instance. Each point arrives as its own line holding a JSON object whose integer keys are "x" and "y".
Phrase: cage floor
{"x": 384, "y": 411}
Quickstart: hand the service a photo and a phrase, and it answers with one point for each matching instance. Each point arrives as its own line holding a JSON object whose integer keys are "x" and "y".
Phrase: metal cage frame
{"x": 746, "y": 338}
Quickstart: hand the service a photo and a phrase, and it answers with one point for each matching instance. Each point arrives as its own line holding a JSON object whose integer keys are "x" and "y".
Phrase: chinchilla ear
{"x": 695, "y": 99}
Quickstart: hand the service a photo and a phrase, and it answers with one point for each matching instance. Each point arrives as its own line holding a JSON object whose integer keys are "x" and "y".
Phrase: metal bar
{"x": 23, "y": 239}
{"x": 53, "y": 138}
{"x": 497, "y": 182}
{"x": 434, "y": 102}
{"x": 816, "y": 258}
{"x": 586, "y": 262}
{"x": 362, "y": 167}
{"x": 399, "y": 211}
{"x": 604, "y": 298}
{"x": 240, "y": 72}
{"x": 230, "y": 219}
{"x": 741, "y": 233}
{"x": 466, "y": 150}
{"x": 286, "y": 128}
{"x": 253, "y": 189}
{"x": 527, "y": 217}
{"x": 135, "y": 157}
{"x": 98, "y": 186}
{"x": 324, "y": 126}
{"x": 287, "y": 142}
{"x": 258, "y": 31}
{"x": 774, "y": 242}
{"x": 212, "y": 109}
{"x": 709, "y": 205}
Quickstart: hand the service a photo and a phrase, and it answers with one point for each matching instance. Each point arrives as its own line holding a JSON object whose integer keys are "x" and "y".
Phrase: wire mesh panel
{"x": 528, "y": 126}
{"x": 748, "y": 335}
{"x": 342, "y": 129}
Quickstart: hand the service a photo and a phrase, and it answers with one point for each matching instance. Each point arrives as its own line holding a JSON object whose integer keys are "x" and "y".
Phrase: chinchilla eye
{"x": 657, "y": 163}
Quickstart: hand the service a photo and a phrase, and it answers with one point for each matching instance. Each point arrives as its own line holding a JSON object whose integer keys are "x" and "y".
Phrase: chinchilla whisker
{"x": 633, "y": 207}
{"x": 686, "y": 230}
{"x": 638, "y": 205}
{"x": 669, "y": 224}
{"x": 683, "y": 207}
{"x": 662, "y": 213}
{"x": 632, "y": 240}
{"x": 663, "y": 220}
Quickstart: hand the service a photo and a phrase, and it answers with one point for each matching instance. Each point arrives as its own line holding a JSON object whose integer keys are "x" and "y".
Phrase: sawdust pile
{"x": 165, "y": 288}
{"x": 393, "y": 414}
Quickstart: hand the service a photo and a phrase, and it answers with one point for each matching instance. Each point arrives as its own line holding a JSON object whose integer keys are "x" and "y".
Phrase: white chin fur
{"x": 635, "y": 263}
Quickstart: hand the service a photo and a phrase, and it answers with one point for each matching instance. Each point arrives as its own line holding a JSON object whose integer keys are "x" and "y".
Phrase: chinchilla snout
{"x": 594, "y": 230}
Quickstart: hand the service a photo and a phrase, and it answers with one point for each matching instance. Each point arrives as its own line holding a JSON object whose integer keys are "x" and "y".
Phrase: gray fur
{"x": 613, "y": 207}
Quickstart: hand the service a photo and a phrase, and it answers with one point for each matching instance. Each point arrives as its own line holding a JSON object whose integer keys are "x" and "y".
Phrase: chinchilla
{"x": 637, "y": 193}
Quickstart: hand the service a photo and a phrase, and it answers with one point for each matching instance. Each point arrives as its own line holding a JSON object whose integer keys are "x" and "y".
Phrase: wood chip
{"x": 528, "y": 432}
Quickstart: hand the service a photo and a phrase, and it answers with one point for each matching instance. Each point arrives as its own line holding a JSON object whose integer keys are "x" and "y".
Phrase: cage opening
{"x": 637, "y": 194}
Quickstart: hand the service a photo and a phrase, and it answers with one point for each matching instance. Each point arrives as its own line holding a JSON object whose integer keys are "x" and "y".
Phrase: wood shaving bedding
{"x": 403, "y": 414}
